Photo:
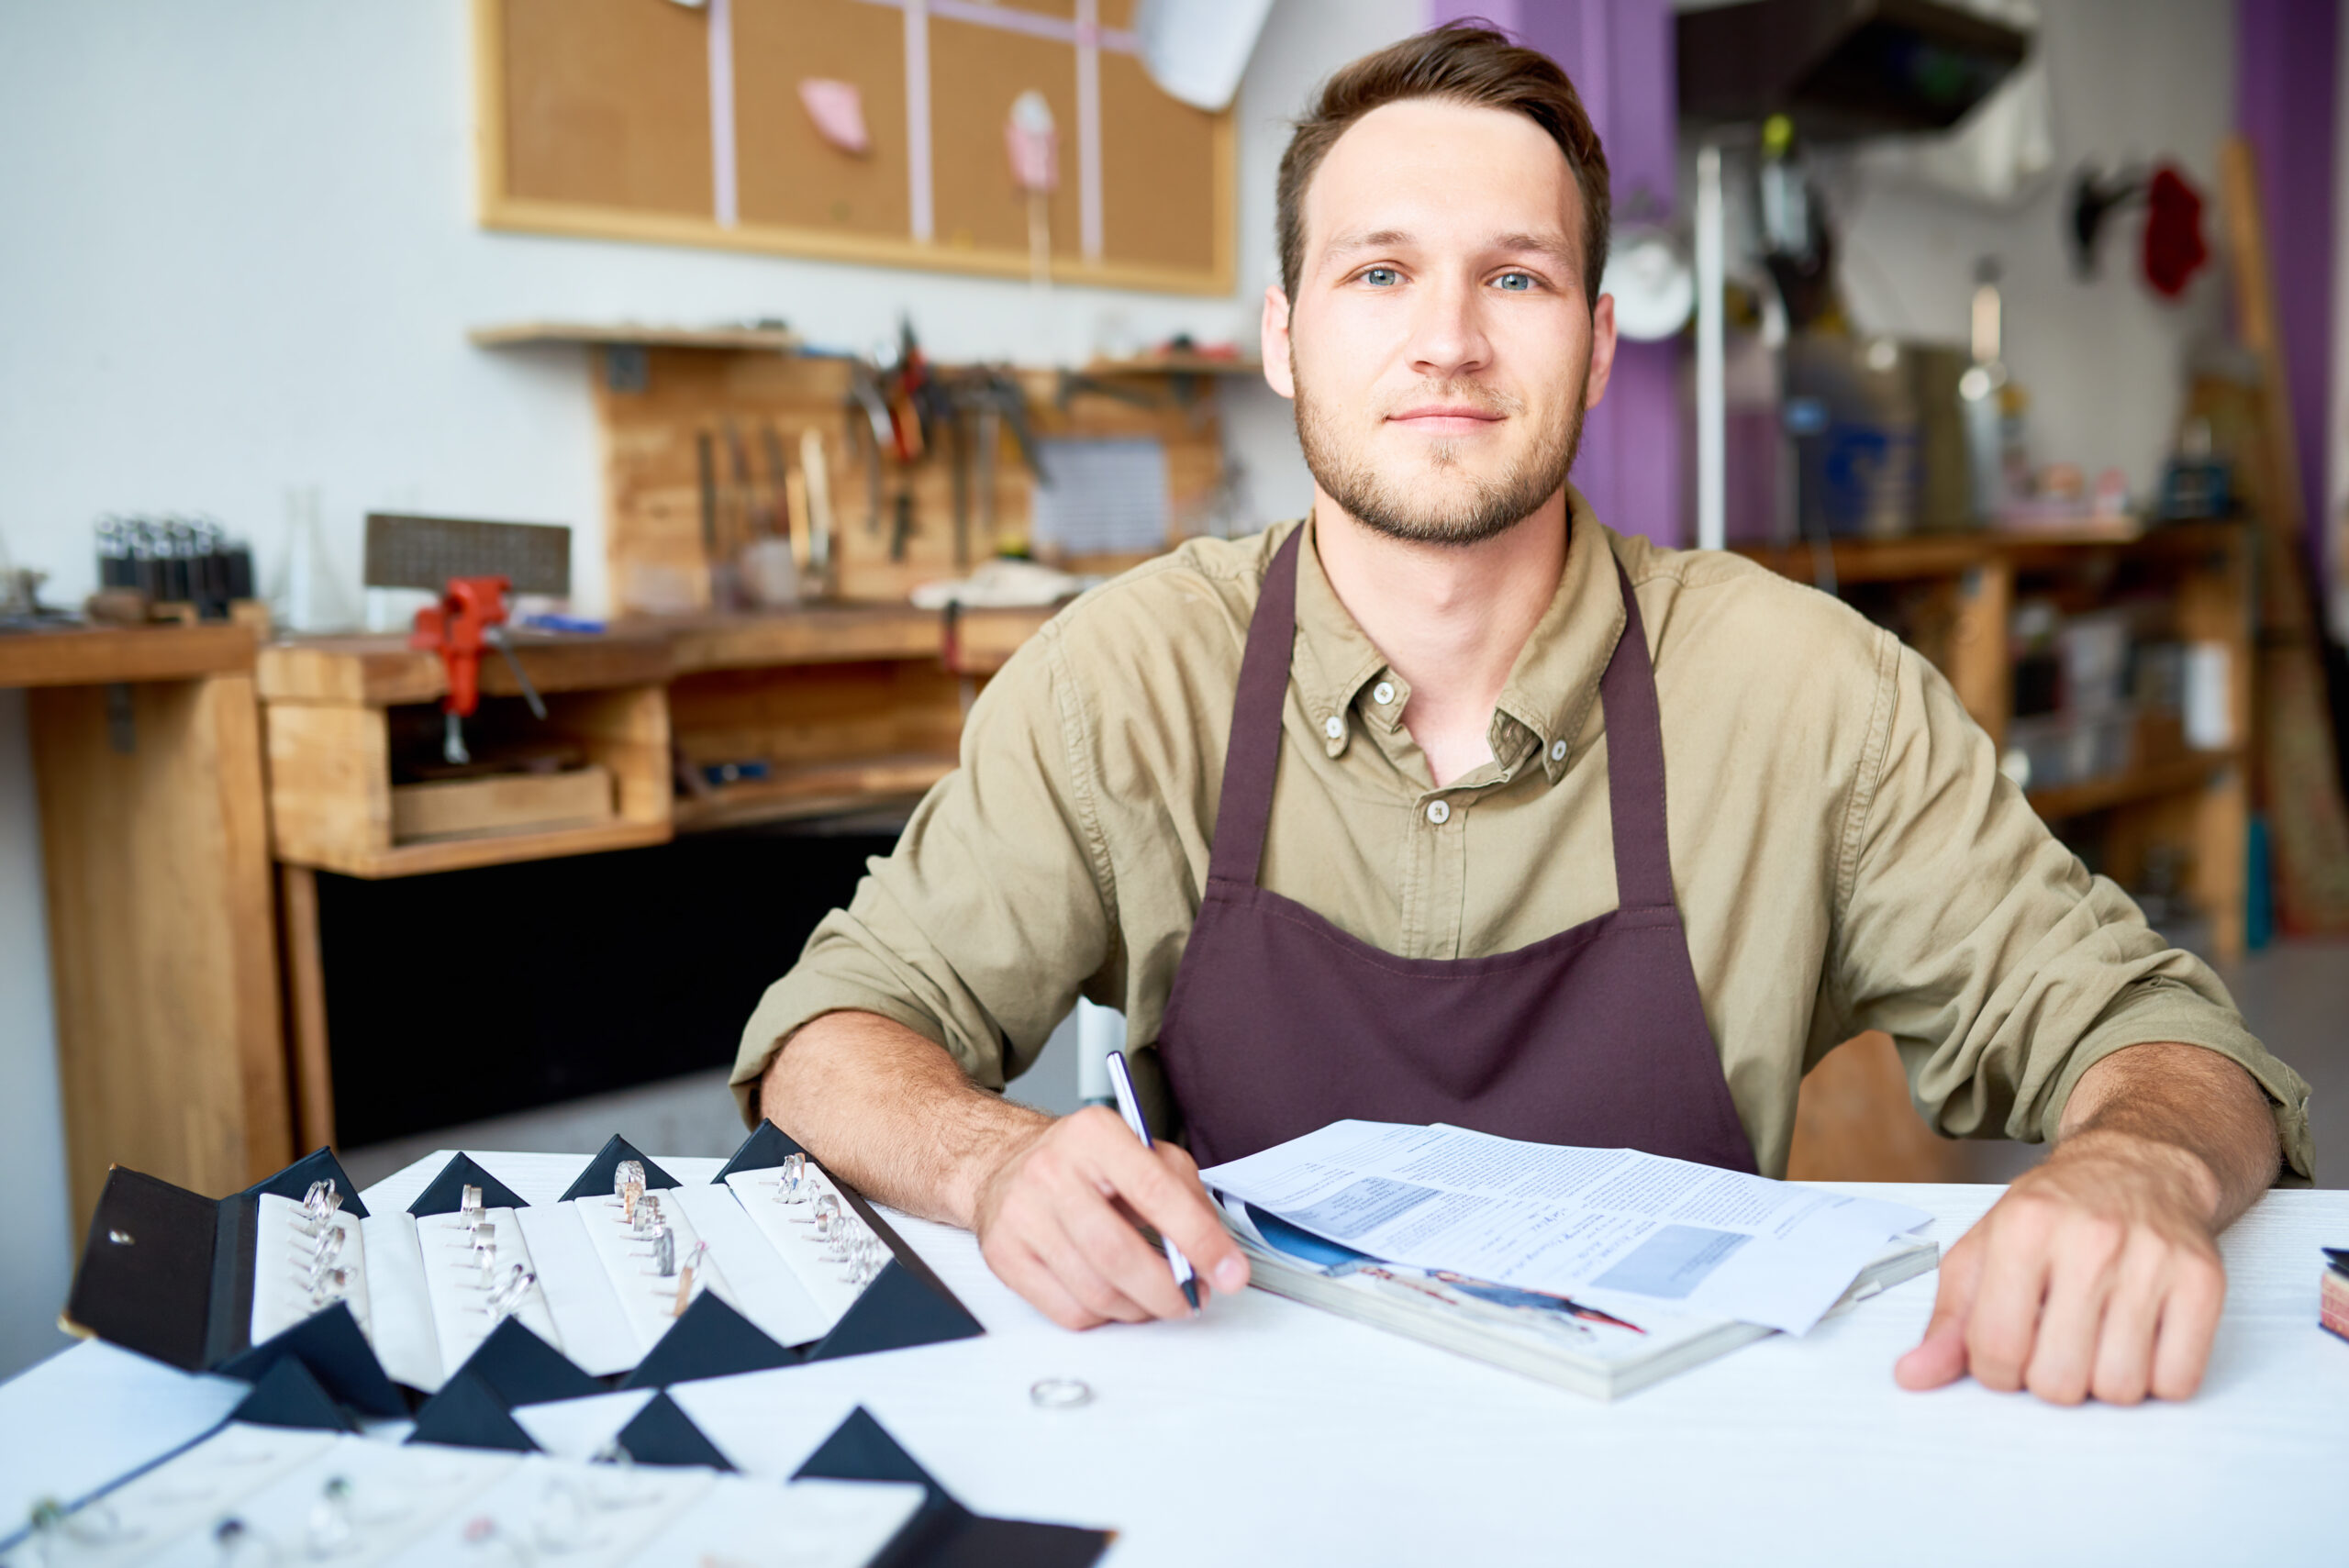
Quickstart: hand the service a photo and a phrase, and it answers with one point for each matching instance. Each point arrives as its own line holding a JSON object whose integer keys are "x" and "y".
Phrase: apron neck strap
{"x": 1252, "y": 754}
{"x": 1635, "y": 764}
{"x": 1626, "y": 691}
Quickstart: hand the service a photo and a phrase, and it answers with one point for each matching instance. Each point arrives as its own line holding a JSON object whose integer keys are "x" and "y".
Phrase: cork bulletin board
{"x": 652, "y": 120}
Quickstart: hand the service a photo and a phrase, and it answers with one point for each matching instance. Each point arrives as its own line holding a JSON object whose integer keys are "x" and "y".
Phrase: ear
{"x": 1271, "y": 339}
{"x": 1602, "y": 351}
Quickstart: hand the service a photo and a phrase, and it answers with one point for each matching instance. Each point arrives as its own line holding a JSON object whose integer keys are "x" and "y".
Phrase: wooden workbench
{"x": 837, "y": 709}
{"x": 147, "y": 759}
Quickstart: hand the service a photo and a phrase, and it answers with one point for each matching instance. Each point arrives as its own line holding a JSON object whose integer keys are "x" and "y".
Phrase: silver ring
{"x": 1060, "y": 1393}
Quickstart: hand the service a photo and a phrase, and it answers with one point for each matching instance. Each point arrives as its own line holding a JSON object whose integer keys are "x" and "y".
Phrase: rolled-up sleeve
{"x": 981, "y": 927}
{"x": 2001, "y": 968}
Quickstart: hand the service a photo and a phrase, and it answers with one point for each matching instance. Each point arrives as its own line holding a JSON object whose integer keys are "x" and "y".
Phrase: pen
{"x": 1130, "y": 1107}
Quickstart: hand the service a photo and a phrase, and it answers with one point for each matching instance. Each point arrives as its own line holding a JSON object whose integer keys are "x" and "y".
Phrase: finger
{"x": 1067, "y": 1249}
{"x": 1025, "y": 1272}
{"x": 2084, "y": 1257}
{"x": 2005, "y": 1319}
{"x": 1940, "y": 1357}
{"x": 1163, "y": 1187}
{"x": 1211, "y": 1250}
{"x": 2189, "y": 1321}
{"x": 2124, "y": 1344}
{"x": 1129, "y": 1263}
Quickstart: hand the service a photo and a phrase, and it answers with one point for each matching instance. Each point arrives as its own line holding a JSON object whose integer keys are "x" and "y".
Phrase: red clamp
{"x": 470, "y": 617}
{"x": 458, "y": 629}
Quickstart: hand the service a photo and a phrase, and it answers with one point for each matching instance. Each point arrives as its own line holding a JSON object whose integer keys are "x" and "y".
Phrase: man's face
{"x": 1439, "y": 348}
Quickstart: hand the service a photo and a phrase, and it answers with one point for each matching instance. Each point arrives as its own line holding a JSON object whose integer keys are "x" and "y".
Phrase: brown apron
{"x": 1279, "y": 1022}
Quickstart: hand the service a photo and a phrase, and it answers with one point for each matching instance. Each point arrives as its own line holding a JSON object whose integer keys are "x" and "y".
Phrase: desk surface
{"x": 1266, "y": 1431}
{"x": 381, "y": 669}
{"x": 103, "y": 655}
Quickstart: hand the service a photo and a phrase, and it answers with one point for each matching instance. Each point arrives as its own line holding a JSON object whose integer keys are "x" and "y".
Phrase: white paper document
{"x": 1545, "y": 1217}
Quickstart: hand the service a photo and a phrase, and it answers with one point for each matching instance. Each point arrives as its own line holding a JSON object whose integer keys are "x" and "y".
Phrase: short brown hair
{"x": 1461, "y": 63}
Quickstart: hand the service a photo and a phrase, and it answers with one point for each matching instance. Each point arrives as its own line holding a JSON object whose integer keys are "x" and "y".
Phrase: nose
{"x": 1448, "y": 337}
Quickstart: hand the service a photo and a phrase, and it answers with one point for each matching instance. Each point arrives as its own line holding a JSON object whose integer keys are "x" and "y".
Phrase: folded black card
{"x": 331, "y": 1344}
{"x": 711, "y": 1340}
{"x": 522, "y": 1368}
{"x": 596, "y": 1181}
{"x": 288, "y": 1395}
{"x": 662, "y": 1434}
{"x": 467, "y": 1413}
{"x": 944, "y": 1534}
{"x": 445, "y": 1192}
{"x": 320, "y": 1165}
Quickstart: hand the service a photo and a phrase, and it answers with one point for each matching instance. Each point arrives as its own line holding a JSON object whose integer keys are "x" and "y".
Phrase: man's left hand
{"x": 2098, "y": 1274}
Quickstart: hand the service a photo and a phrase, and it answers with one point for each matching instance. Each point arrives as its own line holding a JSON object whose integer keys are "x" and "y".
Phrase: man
{"x": 1449, "y": 803}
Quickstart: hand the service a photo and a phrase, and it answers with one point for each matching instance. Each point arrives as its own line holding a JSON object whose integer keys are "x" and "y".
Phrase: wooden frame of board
{"x": 966, "y": 153}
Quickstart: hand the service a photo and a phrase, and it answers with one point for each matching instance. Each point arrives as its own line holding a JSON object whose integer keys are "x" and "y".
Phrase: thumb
{"x": 1940, "y": 1357}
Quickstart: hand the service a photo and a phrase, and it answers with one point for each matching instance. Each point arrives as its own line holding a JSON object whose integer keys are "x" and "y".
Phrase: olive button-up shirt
{"x": 1845, "y": 853}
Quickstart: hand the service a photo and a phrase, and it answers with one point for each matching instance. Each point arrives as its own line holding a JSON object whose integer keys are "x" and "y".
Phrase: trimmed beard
{"x": 1490, "y": 508}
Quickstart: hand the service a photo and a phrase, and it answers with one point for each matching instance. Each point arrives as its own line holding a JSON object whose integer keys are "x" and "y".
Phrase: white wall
{"x": 33, "y": 1223}
{"x": 239, "y": 259}
{"x": 2104, "y": 361}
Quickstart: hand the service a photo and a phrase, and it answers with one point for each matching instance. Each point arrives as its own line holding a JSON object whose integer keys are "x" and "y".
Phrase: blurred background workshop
{"x": 790, "y": 360}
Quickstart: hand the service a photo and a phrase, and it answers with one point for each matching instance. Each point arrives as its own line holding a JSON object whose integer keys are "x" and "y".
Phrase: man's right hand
{"x": 1052, "y": 1223}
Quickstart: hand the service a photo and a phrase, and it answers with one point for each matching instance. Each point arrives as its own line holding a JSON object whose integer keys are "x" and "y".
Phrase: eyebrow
{"x": 1390, "y": 239}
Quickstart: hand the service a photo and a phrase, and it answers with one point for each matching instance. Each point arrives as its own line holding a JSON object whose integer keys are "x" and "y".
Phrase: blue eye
{"x": 1380, "y": 277}
{"x": 1517, "y": 283}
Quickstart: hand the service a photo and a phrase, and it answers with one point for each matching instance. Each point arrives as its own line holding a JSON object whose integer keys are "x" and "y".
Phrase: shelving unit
{"x": 1957, "y": 593}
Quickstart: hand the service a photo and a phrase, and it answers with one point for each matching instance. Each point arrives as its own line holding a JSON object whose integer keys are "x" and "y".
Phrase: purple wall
{"x": 2286, "y": 55}
{"x": 1620, "y": 55}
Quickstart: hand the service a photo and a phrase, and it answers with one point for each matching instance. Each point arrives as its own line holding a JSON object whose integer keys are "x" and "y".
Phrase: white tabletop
{"x": 1266, "y": 1431}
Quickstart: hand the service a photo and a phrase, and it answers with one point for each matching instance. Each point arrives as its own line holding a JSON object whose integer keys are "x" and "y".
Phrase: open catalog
{"x": 1600, "y": 1270}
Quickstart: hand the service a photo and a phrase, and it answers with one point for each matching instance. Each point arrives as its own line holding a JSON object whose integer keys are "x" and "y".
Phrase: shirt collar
{"x": 1550, "y": 687}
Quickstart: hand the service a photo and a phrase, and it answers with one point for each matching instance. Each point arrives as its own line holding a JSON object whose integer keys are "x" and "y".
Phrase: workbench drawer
{"x": 343, "y": 795}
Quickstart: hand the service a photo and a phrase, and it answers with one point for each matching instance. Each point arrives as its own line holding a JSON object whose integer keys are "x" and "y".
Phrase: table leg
{"x": 305, "y": 1006}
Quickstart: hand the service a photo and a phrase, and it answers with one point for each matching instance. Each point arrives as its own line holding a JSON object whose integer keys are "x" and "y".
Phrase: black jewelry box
{"x": 169, "y": 1274}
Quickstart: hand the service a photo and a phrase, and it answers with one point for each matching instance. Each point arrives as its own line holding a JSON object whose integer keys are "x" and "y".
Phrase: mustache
{"x": 1473, "y": 394}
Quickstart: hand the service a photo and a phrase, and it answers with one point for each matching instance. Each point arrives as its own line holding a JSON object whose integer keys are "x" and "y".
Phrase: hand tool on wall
{"x": 986, "y": 438}
{"x": 470, "y": 615}
{"x": 958, "y": 445}
{"x": 869, "y": 435}
{"x": 724, "y": 585}
{"x": 779, "y": 507}
{"x": 821, "y": 523}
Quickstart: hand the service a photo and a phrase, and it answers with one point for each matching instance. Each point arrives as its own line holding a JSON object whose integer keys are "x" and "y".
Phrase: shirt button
{"x": 1334, "y": 727}
{"x": 1439, "y": 812}
{"x": 1382, "y": 693}
{"x": 1557, "y": 751}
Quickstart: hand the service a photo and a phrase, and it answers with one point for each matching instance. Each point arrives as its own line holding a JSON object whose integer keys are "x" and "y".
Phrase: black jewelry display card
{"x": 944, "y": 1534}
{"x": 169, "y": 1274}
{"x": 906, "y": 1305}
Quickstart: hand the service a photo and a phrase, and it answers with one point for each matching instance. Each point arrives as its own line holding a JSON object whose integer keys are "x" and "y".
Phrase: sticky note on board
{"x": 838, "y": 110}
